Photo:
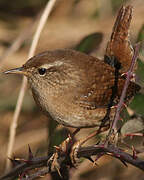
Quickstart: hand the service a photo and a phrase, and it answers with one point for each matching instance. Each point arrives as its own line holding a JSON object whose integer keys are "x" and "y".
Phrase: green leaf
{"x": 140, "y": 39}
{"x": 140, "y": 70}
{"x": 141, "y": 34}
{"x": 90, "y": 43}
{"x": 116, "y": 4}
{"x": 132, "y": 126}
{"x": 58, "y": 136}
{"x": 138, "y": 104}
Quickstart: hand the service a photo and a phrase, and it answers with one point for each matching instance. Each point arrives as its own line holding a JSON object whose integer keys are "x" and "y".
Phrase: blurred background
{"x": 80, "y": 24}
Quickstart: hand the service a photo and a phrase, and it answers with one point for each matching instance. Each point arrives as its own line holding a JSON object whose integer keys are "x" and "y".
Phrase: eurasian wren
{"x": 76, "y": 88}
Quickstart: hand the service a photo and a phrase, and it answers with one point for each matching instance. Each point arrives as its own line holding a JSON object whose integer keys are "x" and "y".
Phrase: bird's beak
{"x": 19, "y": 70}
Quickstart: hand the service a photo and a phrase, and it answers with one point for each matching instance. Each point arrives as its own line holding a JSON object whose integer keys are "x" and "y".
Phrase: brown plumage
{"x": 119, "y": 46}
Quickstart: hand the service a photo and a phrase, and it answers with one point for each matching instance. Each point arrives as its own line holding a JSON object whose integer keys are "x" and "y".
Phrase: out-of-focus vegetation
{"x": 18, "y": 9}
{"x": 78, "y": 24}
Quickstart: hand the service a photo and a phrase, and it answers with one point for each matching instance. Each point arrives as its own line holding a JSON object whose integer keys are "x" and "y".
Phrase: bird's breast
{"x": 66, "y": 112}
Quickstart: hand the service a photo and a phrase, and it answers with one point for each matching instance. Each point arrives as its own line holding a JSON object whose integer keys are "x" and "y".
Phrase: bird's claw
{"x": 73, "y": 154}
{"x": 54, "y": 163}
{"x": 60, "y": 151}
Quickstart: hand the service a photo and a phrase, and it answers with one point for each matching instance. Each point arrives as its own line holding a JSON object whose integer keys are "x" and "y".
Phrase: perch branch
{"x": 41, "y": 162}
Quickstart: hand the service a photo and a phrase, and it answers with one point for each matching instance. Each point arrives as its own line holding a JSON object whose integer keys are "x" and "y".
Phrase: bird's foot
{"x": 73, "y": 154}
{"x": 53, "y": 163}
{"x": 69, "y": 148}
{"x": 76, "y": 146}
{"x": 62, "y": 151}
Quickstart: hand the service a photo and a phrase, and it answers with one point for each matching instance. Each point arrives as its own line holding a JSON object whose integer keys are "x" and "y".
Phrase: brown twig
{"x": 23, "y": 36}
{"x": 13, "y": 126}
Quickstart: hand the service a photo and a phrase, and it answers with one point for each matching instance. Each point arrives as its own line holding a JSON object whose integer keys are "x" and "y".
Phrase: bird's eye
{"x": 42, "y": 71}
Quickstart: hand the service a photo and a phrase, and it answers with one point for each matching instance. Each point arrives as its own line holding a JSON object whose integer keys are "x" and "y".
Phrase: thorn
{"x": 134, "y": 153}
{"x": 115, "y": 106}
{"x": 126, "y": 74}
{"x": 124, "y": 163}
{"x": 98, "y": 157}
{"x": 25, "y": 161}
{"x": 121, "y": 119}
{"x": 14, "y": 162}
{"x": 125, "y": 105}
{"x": 120, "y": 158}
{"x": 89, "y": 158}
{"x": 30, "y": 154}
{"x": 95, "y": 164}
{"x": 134, "y": 134}
{"x": 98, "y": 143}
{"x": 117, "y": 155}
{"x": 22, "y": 160}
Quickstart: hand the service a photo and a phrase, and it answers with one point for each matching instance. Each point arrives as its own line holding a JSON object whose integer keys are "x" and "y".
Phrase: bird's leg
{"x": 67, "y": 143}
{"x": 75, "y": 132}
{"x": 61, "y": 150}
{"x": 78, "y": 144}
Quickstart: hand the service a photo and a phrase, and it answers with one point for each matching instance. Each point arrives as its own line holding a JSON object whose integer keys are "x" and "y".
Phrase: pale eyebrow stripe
{"x": 56, "y": 63}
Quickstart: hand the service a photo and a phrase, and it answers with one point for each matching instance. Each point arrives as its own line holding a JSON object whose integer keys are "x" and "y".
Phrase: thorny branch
{"x": 128, "y": 78}
{"x": 23, "y": 166}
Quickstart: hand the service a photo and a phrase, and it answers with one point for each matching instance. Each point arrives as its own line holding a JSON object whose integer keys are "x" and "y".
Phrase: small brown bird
{"x": 76, "y": 89}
